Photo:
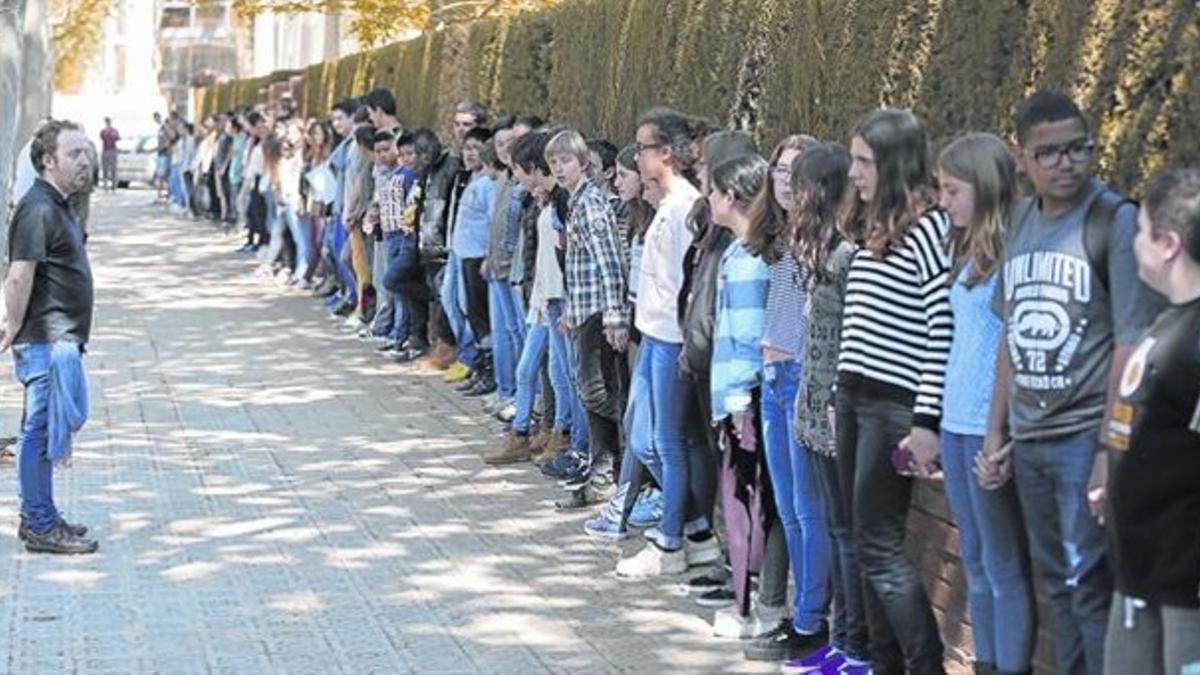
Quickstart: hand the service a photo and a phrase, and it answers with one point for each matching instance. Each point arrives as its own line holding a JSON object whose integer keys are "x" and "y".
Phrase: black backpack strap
{"x": 1097, "y": 231}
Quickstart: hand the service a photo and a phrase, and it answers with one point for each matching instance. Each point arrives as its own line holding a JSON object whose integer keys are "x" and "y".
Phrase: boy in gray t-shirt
{"x": 1062, "y": 321}
{"x": 1069, "y": 325}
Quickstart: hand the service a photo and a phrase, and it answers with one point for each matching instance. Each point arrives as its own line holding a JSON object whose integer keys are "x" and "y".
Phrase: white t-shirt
{"x": 25, "y": 174}
{"x": 666, "y": 243}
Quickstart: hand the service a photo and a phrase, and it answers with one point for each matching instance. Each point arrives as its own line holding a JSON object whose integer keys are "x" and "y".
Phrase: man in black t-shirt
{"x": 48, "y": 298}
{"x": 1153, "y": 489}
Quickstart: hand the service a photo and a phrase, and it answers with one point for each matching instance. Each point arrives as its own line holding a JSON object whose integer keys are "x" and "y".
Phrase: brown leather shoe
{"x": 554, "y": 446}
{"x": 537, "y": 440}
{"x": 443, "y": 356}
{"x": 516, "y": 449}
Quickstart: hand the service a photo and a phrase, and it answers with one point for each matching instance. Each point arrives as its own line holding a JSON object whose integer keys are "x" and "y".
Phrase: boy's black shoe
{"x": 784, "y": 644}
{"x": 60, "y": 540}
{"x": 483, "y": 387}
{"x": 471, "y": 381}
{"x": 23, "y": 529}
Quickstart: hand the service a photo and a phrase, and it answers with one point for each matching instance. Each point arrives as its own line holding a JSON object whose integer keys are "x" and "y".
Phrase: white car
{"x": 136, "y": 158}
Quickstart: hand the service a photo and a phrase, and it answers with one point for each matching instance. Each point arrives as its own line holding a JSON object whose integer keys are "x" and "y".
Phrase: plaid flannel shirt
{"x": 595, "y": 260}
{"x": 394, "y": 214}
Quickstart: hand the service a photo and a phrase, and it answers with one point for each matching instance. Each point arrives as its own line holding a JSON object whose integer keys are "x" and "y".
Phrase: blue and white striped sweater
{"x": 737, "y": 343}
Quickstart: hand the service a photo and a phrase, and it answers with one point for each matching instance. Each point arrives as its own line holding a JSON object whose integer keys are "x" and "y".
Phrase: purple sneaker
{"x": 814, "y": 662}
{"x": 849, "y": 667}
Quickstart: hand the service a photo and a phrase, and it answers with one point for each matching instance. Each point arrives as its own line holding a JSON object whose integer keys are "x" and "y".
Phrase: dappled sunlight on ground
{"x": 272, "y": 496}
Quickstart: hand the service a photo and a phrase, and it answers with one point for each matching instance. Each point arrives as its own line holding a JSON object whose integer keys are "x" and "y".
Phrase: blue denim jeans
{"x": 507, "y": 319}
{"x": 537, "y": 343}
{"x": 35, "y": 474}
{"x": 565, "y": 347}
{"x": 995, "y": 556}
{"x": 661, "y": 439}
{"x": 1068, "y": 545}
{"x": 336, "y": 232}
{"x": 453, "y": 298}
{"x": 300, "y": 234}
{"x": 389, "y": 309}
{"x": 797, "y": 500}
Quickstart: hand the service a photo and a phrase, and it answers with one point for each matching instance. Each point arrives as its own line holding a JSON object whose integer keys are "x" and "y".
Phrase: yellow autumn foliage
{"x": 75, "y": 34}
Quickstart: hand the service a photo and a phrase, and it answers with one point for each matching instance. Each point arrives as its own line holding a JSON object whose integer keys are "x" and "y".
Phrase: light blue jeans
{"x": 797, "y": 499}
{"x": 660, "y": 438}
{"x": 537, "y": 343}
{"x": 300, "y": 234}
{"x": 580, "y": 440}
{"x": 453, "y": 297}
{"x": 507, "y": 318}
{"x": 995, "y": 556}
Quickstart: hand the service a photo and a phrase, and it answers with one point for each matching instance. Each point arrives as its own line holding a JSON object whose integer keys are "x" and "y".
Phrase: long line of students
{"x": 753, "y": 359}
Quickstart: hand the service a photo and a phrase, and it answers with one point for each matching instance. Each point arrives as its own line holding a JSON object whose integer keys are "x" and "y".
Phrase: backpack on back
{"x": 1097, "y": 227}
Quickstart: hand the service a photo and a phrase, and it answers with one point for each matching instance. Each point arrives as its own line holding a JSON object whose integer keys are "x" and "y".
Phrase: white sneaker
{"x": 492, "y": 403}
{"x": 652, "y": 561}
{"x": 730, "y": 624}
{"x": 701, "y": 552}
{"x": 507, "y": 413}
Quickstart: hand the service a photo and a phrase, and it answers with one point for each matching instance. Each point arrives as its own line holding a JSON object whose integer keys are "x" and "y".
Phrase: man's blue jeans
{"x": 336, "y": 233}
{"x": 1068, "y": 545}
{"x": 995, "y": 556}
{"x": 796, "y": 498}
{"x": 507, "y": 318}
{"x": 453, "y": 298}
{"x": 389, "y": 313}
{"x": 660, "y": 437}
{"x": 35, "y": 474}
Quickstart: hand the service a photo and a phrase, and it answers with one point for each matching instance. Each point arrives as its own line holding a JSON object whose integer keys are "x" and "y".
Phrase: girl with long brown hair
{"x": 896, "y": 329}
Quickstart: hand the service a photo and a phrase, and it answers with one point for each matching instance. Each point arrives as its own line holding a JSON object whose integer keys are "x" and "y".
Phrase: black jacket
{"x": 435, "y": 205}
{"x": 698, "y": 296}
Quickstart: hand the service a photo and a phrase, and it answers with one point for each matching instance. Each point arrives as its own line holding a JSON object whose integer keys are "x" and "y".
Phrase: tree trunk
{"x": 37, "y": 70}
{"x": 11, "y": 16}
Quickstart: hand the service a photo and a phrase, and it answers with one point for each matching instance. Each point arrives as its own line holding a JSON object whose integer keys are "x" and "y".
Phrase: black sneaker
{"x": 704, "y": 583}
{"x": 485, "y": 386}
{"x": 60, "y": 540}
{"x": 784, "y": 644}
{"x": 469, "y": 383}
{"x": 564, "y": 465}
{"x": 411, "y": 354}
{"x": 578, "y": 475}
{"x": 23, "y": 529}
{"x": 716, "y": 598}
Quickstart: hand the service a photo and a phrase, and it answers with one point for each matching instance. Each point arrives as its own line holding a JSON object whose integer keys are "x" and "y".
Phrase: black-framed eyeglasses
{"x": 1077, "y": 152}
{"x": 642, "y": 147}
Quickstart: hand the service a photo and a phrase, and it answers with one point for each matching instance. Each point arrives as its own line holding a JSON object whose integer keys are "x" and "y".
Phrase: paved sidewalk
{"x": 271, "y": 496}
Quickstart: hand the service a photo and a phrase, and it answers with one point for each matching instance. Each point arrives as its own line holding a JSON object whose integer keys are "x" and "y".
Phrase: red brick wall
{"x": 933, "y": 545}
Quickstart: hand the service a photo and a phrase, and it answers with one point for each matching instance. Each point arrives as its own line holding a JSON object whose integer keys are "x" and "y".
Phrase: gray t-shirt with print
{"x": 1061, "y": 324}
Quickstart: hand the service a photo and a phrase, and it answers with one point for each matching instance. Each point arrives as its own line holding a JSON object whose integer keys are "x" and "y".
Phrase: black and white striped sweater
{"x": 896, "y": 322}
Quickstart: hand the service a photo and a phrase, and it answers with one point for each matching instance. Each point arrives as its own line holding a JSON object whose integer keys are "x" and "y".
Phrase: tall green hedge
{"x": 782, "y": 66}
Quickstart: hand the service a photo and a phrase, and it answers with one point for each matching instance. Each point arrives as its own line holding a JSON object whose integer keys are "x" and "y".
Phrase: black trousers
{"x": 477, "y": 299}
{"x": 903, "y": 633}
{"x": 602, "y": 376}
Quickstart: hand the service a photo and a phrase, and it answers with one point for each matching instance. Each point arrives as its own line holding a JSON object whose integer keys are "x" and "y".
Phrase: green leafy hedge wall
{"x": 781, "y": 66}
